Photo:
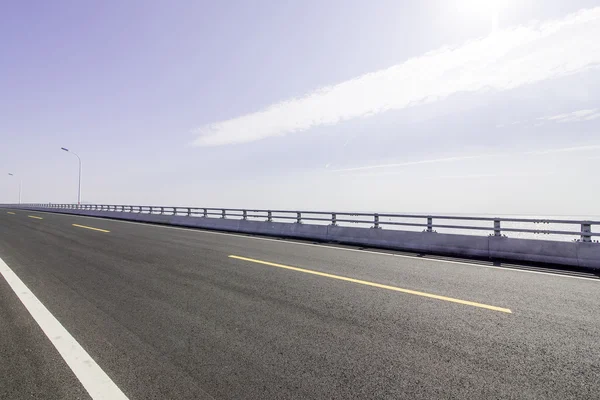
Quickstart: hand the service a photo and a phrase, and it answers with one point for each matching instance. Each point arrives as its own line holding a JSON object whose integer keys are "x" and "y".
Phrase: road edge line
{"x": 95, "y": 381}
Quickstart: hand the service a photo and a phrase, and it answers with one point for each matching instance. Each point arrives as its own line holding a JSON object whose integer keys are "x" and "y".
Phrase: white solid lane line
{"x": 381, "y": 253}
{"x": 326, "y": 246}
{"x": 91, "y": 376}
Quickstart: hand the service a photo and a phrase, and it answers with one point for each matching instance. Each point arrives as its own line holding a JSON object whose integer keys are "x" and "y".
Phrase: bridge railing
{"x": 494, "y": 226}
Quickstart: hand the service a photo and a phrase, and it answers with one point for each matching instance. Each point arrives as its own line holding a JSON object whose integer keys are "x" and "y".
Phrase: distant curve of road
{"x": 91, "y": 307}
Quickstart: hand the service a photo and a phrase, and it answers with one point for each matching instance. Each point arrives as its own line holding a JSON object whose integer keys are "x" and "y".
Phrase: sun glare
{"x": 477, "y": 10}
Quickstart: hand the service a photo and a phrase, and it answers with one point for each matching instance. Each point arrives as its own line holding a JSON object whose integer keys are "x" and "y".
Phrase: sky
{"x": 453, "y": 106}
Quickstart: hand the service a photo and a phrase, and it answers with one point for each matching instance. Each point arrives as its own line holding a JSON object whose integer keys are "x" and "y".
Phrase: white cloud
{"x": 509, "y": 124}
{"x": 589, "y": 114}
{"x": 486, "y": 176}
{"x": 581, "y": 115}
{"x": 504, "y": 60}
{"x": 405, "y": 164}
{"x": 394, "y": 166}
{"x": 564, "y": 150}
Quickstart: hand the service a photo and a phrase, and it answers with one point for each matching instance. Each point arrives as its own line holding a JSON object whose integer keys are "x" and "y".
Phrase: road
{"x": 171, "y": 313}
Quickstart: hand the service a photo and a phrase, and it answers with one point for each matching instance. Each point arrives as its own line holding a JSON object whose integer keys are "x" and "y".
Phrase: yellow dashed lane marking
{"x": 89, "y": 227}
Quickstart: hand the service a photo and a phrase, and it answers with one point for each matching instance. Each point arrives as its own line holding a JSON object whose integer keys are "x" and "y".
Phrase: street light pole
{"x": 20, "y": 185}
{"x": 79, "y": 185}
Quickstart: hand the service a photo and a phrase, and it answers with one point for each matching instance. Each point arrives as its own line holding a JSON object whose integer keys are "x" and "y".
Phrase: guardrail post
{"x": 189, "y": 213}
{"x": 151, "y": 210}
{"x": 333, "y": 219}
{"x": 244, "y": 215}
{"x": 223, "y": 213}
{"x": 162, "y": 210}
{"x": 586, "y": 229}
{"x": 375, "y": 221}
{"x": 429, "y": 224}
{"x": 497, "y": 230}
{"x": 269, "y": 216}
{"x": 298, "y": 217}
{"x": 205, "y": 213}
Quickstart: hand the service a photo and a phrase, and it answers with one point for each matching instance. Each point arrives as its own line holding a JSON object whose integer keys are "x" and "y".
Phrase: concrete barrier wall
{"x": 533, "y": 250}
{"x": 424, "y": 242}
{"x": 577, "y": 254}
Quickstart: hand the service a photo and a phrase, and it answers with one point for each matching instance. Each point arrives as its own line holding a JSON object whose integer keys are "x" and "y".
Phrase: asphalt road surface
{"x": 155, "y": 312}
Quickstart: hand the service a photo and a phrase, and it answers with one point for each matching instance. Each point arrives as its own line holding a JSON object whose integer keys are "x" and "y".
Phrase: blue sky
{"x": 433, "y": 106}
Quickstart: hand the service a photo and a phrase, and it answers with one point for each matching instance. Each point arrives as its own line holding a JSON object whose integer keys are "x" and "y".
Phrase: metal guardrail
{"x": 494, "y": 225}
